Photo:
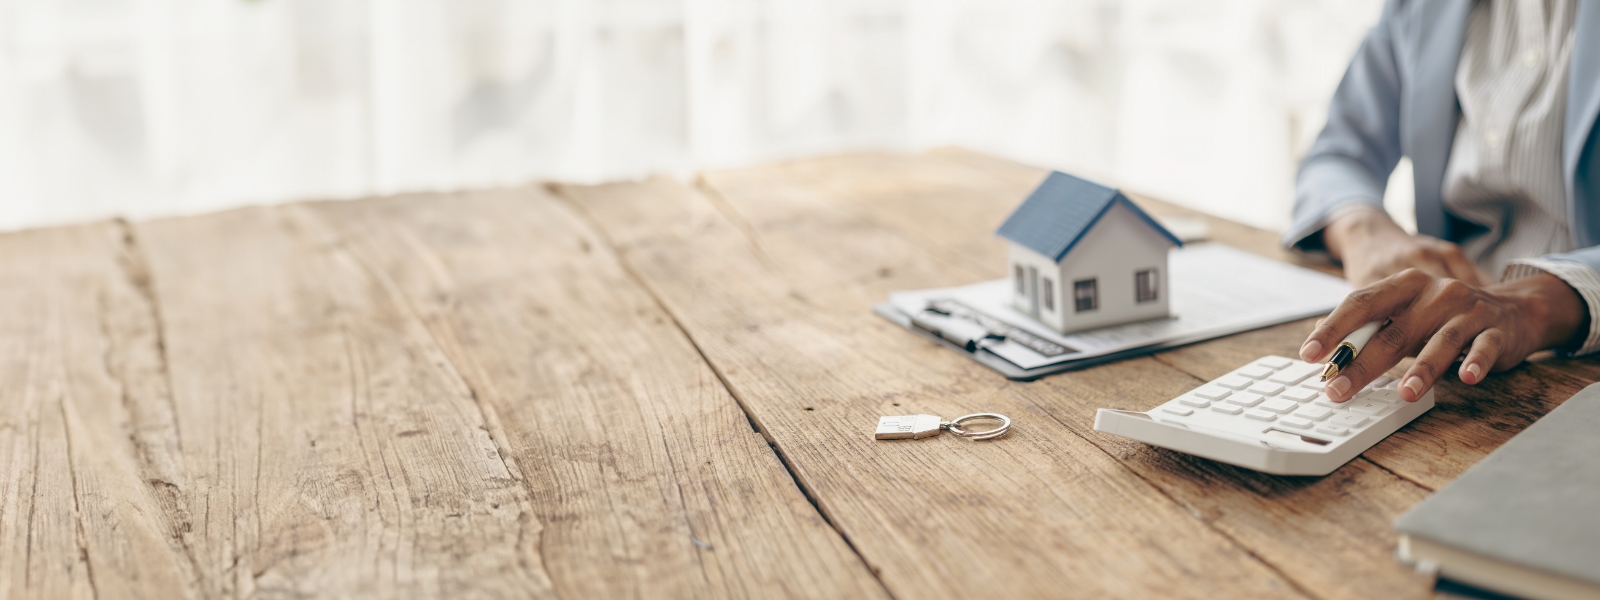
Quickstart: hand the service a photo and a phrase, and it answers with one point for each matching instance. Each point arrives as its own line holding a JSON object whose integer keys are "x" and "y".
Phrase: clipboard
{"x": 1217, "y": 290}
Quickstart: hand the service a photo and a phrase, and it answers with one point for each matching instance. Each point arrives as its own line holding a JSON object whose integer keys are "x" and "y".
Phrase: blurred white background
{"x": 155, "y": 107}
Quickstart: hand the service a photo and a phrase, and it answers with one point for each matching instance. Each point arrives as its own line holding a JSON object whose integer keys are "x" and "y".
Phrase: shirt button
{"x": 1531, "y": 58}
{"x": 1492, "y": 138}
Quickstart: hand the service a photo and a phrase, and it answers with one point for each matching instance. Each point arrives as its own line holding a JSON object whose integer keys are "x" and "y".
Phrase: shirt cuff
{"x": 1580, "y": 277}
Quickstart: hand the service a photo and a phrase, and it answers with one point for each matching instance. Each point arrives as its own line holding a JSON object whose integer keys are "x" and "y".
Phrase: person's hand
{"x": 1372, "y": 247}
{"x": 1436, "y": 319}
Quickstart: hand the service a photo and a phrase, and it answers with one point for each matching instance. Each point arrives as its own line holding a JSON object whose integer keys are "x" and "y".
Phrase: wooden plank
{"x": 646, "y": 476}
{"x": 786, "y": 205}
{"x": 77, "y": 518}
{"x": 776, "y": 306}
{"x": 328, "y": 447}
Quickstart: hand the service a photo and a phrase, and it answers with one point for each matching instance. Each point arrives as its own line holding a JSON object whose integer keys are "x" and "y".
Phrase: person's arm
{"x": 1349, "y": 163}
{"x": 1338, "y": 210}
{"x": 1371, "y": 247}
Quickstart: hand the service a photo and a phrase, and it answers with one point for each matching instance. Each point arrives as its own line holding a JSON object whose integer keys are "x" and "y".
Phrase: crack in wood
{"x": 783, "y": 459}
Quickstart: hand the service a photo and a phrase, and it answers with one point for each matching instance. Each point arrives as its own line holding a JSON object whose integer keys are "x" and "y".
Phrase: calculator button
{"x": 1347, "y": 420}
{"x": 1234, "y": 382}
{"x": 1266, "y": 389}
{"x": 1333, "y": 429}
{"x": 1313, "y": 384}
{"x": 1295, "y": 374}
{"x": 1328, "y": 402}
{"x": 1384, "y": 396}
{"x": 1225, "y": 408}
{"x": 1315, "y": 413}
{"x": 1212, "y": 392}
{"x": 1195, "y": 402}
{"x": 1295, "y": 422}
{"x": 1274, "y": 362}
{"x": 1280, "y": 406}
{"x": 1383, "y": 382}
{"x": 1298, "y": 394}
{"x": 1246, "y": 399}
{"x": 1254, "y": 372}
{"x": 1177, "y": 410}
{"x": 1260, "y": 415}
{"x": 1368, "y": 407}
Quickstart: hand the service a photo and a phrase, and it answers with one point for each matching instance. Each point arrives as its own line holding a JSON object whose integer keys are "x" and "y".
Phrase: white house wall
{"x": 1111, "y": 252}
{"x": 1047, "y": 269}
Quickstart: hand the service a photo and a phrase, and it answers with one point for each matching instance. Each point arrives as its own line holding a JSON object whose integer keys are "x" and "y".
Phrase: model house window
{"x": 1084, "y": 295}
{"x": 1022, "y": 286}
{"x": 1049, "y": 294}
{"x": 1144, "y": 285}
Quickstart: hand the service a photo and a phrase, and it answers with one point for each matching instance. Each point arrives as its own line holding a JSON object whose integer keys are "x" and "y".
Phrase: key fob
{"x": 907, "y": 427}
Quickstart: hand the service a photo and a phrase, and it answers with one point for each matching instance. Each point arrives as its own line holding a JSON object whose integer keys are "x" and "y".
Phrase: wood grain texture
{"x": 778, "y": 305}
{"x": 909, "y": 196}
{"x": 77, "y": 518}
{"x": 327, "y": 445}
{"x": 635, "y": 390}
{"x": 646, "y": 476}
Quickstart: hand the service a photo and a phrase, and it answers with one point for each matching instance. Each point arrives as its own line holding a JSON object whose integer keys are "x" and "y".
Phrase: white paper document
{"x": 1217, "y": 290}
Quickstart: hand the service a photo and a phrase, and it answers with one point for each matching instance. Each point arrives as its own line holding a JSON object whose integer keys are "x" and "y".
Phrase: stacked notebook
{"x": 1526, "y": 520}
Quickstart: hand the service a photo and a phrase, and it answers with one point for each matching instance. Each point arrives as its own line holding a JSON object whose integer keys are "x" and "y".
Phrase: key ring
{"x": 955, "y": 426}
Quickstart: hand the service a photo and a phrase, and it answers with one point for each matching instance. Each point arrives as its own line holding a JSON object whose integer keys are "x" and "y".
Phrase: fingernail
{"x": 1414, "y": 384}
{"x": 1339, "y": 386}
{"x": 1311, "y": 351}
{"x": 1476, "y": 371}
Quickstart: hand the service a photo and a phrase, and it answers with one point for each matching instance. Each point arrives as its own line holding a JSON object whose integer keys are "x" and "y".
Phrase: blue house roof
{"x": 1063, "y": 208}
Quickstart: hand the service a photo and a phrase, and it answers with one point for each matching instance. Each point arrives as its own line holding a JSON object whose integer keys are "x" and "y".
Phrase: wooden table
{"x": 649, "y": 389}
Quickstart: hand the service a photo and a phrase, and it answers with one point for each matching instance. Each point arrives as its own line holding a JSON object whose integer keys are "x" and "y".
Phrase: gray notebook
{"x": 1527, "y": 515}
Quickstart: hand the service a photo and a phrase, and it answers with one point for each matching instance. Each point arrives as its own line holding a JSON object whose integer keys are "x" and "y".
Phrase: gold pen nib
{"x": 1329, "y": 372}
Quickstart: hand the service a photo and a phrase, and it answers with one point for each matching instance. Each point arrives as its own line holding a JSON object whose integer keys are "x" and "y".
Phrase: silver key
{"x": 916, "y": 427}
{"x": 907, "y": 427}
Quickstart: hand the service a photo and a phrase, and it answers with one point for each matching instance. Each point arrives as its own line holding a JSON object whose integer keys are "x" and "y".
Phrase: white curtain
{"x": 155, "y": 107}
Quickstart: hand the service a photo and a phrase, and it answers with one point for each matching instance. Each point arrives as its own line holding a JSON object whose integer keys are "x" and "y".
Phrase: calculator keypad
{"x": 1279, "y": 392}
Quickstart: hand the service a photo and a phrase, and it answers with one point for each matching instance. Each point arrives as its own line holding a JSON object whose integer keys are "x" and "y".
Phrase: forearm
{"x": 1350, "y": 227}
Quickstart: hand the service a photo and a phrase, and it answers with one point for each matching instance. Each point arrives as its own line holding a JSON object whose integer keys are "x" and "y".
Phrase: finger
{"x": 1393, "y": 342}
{"x": 1441, "y": 350}
{"x": 1372, "y": 303}
{"x": 1486, "y": 351}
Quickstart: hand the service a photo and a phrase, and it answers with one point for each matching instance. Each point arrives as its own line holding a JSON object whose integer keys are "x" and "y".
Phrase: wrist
{"x": 1357, "y": 227}
{"x": 1555, "y": 312}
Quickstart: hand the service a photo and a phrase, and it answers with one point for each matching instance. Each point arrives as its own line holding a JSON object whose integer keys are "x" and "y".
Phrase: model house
{"x": 1084, "y": 256}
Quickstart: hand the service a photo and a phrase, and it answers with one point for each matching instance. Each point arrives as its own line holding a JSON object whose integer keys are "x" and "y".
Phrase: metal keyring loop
{"x": 955, "y": 426}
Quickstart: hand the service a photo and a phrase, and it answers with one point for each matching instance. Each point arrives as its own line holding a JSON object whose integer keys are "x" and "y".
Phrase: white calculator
{"x": 1271, "y": 416}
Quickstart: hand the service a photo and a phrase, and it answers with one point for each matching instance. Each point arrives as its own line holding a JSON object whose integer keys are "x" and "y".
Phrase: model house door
{"x": 1033, "y": 292}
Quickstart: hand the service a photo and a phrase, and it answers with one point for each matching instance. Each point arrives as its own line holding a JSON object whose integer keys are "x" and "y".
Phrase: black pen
{"x": 1348, "y": 349}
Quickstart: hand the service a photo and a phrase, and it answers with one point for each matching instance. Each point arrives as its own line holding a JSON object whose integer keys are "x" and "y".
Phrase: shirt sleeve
{"x": 1580, "y": 277}
{"x": 1350, "y": 161}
